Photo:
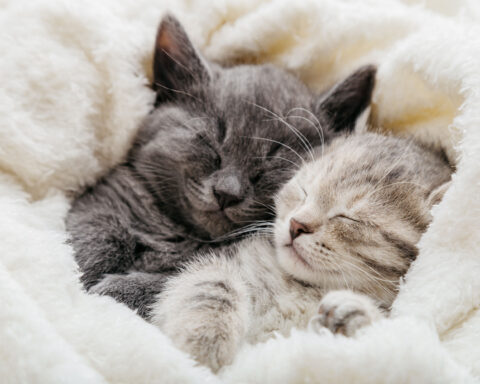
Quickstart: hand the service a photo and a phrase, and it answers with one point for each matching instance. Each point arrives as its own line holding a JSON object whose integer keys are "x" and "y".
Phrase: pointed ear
{"x": 176, "y": 63}
{"x": 437, "y": 194}
{"x": 344, "y": 103}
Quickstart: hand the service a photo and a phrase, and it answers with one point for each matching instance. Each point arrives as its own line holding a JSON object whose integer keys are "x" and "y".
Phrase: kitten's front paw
{"x": 206, "y": 337}
{"x": 345, "y": 312}
{"x": 122, "y": 288}
{"x": 108, "y": 285}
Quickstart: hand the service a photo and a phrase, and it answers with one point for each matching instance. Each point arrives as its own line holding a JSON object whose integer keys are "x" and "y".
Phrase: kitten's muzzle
{"x": 226, "y": 199}
{"x": 297, "y": 228}
{"x": 297, "y": 255}
{"x": 228, "y": 191}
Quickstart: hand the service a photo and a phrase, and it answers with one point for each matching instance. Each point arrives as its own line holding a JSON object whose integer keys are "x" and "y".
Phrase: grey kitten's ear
{"x": 176, "y": 63}
{"x": 437, "y": 194}
{"x": 344, "y": 103}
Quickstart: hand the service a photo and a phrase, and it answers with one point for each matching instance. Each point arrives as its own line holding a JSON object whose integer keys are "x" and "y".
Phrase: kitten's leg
{"x": 102, "y": 245}
{"x": 345, "y": 312}
{"x": 135, "y": 289}
{"x": 205, "y": 311}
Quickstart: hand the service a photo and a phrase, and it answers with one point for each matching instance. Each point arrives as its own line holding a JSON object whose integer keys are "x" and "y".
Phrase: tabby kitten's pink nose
{"x": 297, "y": 228}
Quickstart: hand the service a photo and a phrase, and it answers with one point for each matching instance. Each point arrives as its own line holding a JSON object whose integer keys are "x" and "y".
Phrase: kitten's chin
{"x": 214, "y": 223}
{"x": 294, "y": 264}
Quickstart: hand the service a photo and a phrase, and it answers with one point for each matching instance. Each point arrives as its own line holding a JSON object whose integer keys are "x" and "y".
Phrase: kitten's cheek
{"x": 282, "y": 234}
{"x": 284, "y": 260}
{"x": 280, "y": 213}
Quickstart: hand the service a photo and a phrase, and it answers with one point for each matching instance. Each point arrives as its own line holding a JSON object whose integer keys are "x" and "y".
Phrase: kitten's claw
{"x": 345, "y": 312}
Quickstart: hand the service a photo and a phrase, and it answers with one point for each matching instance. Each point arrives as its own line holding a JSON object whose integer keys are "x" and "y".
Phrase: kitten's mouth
{"x": 297, "y": 255}
{"x": 217, "y": 212}
{"x": 216, "y": 223}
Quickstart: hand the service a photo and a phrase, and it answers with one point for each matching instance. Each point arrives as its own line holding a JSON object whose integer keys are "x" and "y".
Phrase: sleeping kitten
{"x": 204, "y": 165}
{"x": 348, "y": 220}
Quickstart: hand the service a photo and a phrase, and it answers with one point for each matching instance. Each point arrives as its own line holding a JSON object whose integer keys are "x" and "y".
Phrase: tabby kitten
{"x": 203, "y": 167}
{"x": 346, "y": 228}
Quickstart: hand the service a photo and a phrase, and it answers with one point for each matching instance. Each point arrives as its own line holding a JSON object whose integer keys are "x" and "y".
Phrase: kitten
{"x": 346, "y": 228}
{"x": 204, "y": 166}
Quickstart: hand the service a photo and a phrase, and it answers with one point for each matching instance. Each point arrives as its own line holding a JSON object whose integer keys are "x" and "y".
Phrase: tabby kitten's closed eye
{"x": 348, "y": 220}
{"x": 204, "y": 166}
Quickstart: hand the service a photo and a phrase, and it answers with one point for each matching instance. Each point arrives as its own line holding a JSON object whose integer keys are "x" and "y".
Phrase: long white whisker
{"x": 278, "y": 157}
{"x": 268, "y": 206}
{"x": 178, "y": 91}
{"x": 297, "y": 133}
{"x": 317, "y": 126}
{"x": 277, "y": 142}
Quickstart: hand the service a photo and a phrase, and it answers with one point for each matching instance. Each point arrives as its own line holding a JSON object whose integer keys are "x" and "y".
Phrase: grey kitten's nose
{"x": 226, "y": 199}
{"x": 228, "y": 192}
{"x": 297, "y": 228}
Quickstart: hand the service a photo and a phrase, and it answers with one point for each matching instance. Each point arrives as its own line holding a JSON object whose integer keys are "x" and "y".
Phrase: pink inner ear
{"x": 166, "y": 42}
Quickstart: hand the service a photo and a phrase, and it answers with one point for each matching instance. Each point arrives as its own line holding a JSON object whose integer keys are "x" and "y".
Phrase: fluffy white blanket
{"x": 73, "y": 88}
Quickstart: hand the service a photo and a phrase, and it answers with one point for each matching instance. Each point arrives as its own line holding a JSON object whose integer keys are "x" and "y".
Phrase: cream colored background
{"x": 74, "y": 86}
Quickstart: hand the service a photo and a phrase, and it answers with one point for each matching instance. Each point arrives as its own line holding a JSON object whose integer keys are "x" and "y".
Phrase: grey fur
{"x": 205, "y": 163}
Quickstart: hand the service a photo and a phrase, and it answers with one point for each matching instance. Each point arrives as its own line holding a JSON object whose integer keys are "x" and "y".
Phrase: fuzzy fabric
{"x": 74, "y": 88}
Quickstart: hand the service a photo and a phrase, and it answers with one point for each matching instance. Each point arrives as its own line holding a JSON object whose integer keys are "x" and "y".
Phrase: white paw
{"x": 345, "y": 312}
{"x": 208, "y": 340}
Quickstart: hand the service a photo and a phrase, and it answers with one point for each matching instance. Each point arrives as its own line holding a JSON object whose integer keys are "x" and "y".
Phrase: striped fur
{"x": 365, "y": 202}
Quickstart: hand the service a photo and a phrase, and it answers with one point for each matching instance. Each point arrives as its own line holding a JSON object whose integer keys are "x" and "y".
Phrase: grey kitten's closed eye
{"x": 221, "y": 130}
{"x": 256, "y": 178}
{"x": 273, "y": 149}
{"x": 218, "y": 161}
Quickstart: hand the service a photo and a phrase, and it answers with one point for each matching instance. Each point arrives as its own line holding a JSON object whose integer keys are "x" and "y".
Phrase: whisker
{"x": 181, "y": 65}
{"x": 297, "y": 133}
{"x": 277, "y": 142}
{"x": 317, "y": 126}
{"x": 268, "y": 206}
{"x": 297, "y": 166}
{"x": 377, "y": 277}
{"x": 178, "y": 91}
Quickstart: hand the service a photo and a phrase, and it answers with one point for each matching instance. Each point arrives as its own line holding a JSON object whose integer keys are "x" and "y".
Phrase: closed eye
{"x": 205, "y": 142}
{"x": 255, "y": 179}
{"x": 274, "y": 149}
{"x": 345, "y": 217}
{"x": 222, "y": 130}
{"x": 218, "y": 161}
{"x": 304, "y": 191}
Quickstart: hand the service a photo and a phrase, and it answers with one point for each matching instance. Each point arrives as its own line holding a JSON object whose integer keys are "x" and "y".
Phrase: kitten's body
{"x": 363, "y": 206}
{"x": 205, "y": 163}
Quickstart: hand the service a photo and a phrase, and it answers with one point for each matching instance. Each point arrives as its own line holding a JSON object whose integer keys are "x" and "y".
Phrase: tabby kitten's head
{"x": 352, "y": 218}
{"x": 220, "y": 141}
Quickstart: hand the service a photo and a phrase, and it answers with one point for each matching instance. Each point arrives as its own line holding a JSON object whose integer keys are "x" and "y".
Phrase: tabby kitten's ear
{"x": 437, "y": 194}
{"x": 344, "y": 103}
{"x": 176, "y": 63}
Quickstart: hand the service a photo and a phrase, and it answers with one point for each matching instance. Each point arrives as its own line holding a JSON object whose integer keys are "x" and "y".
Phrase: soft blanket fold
{"x": 74, "y": 88}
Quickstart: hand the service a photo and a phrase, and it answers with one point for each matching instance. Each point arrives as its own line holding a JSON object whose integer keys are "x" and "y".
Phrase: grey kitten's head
{"x": 220, "y": 141}
{"x": 352, "y": 218}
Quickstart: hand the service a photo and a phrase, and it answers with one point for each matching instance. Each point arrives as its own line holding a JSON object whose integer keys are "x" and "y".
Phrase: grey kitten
{"x": 204, "y": 166}
{"x": 346, "y": 231}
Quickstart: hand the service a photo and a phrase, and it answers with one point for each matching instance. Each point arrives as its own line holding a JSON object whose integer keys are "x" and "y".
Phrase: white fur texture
{"x": 73, "y": 89}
